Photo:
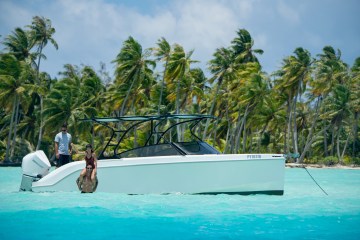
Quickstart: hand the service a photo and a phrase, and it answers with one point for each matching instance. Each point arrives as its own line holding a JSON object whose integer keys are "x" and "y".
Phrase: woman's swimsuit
{"x": 90, "y": 161}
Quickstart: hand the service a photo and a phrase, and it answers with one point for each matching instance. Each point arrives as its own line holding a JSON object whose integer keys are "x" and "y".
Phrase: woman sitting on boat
{"x": 90, "y": 159}
{"x": 88, "y": 174}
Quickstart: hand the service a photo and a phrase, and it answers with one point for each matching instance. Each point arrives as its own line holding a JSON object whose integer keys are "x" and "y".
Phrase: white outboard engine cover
{"x": 34, "y": 166}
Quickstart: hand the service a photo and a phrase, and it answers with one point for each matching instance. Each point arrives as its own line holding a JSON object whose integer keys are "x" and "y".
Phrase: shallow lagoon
{"x": 303, "y": 212}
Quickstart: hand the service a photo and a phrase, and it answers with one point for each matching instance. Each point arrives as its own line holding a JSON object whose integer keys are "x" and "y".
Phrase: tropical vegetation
{"x": 309, "y": 106}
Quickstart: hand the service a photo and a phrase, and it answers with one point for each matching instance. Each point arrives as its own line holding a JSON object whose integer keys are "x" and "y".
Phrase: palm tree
{"x": 355, "y": 101}
{"x": 13, "y": 75}
{"x": 197, "y": 88}
{"x": 330, "y": 71}
{"x": 251, "y": 96}
{"x": 227, "y": 61}
{"x": 295, "y": 74}
{"x": 339, "y": 110}
{"x": 242, "y": 46}
{"x": 41, "y": 33}
{"x": 132, "y": 68}
{"x": 272, "y": 117}
{"x": 74, "y": 97}
{"x": 20, "y": 44}
{"x": 92, "y": 88}
{"x": 178, "y": 67}
{"x": 223, "y": 67}
{"x": 162, "y": 53}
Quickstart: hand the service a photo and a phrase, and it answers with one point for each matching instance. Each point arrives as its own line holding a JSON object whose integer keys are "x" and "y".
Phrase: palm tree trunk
{"x": 212, "y": 107}
{"x": 231, "y": 137}
{"x": 343, "y": 152}
{"x": 310, "y": 136}
{"x": 308, "y": 144}
{"x": 355, "y": 132}
{"x": 228, "y": 130}
{"x": 7, "y": 153}
{"x": 15, "y": 128}
{"x": 123, "y": 109}
{"x": 135, "y": 128}
{"x": 177, "y": 103}
{"x": 258, "y": 140}
{"x": 325, "y": 141}
{"x": 295, "y": 137}
{"x": 338, "y": 145}
{"x": 244, "y": 136}
{"x": 215, "y": 132}
{"x": 161, "y": 93}
{"x": 251, "y": 141}
{"x": 126, "y": 97}
{"x": 38, "y": 64}
{"x": 226, "y": 140}
{"x": 287, "y": 139}
{"x": 162, "y": 86}
{"x": 333, "y": 141}
{"x": 160, "y": 98}
{"x": 240, "y": 128}
{"x": 41, "y": 123}
{"x": 41, "y": 98}
{"x": 177, "y": 100}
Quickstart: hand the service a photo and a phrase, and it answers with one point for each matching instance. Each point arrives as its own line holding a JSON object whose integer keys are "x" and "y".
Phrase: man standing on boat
{"x": 63, "y": 148}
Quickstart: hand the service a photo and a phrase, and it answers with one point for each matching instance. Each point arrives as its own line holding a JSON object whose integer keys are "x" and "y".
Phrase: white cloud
{"x": 96, "y": 28}
{"x": 149, "y": 28}
{"x": 289, "y": 14}
{"x": 205, "y": 27}
{"x": 242, "y": 8}
{"x": 92, "y": 31}
{"x": 261, "y": 40}
{"x": 10, "y": 9}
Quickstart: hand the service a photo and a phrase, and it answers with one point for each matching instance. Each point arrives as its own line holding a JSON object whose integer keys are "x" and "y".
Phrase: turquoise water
{"x": 304, "y": 212}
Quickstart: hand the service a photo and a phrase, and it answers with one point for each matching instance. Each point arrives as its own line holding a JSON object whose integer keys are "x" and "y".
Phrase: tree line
{"x": 309, "y": 106}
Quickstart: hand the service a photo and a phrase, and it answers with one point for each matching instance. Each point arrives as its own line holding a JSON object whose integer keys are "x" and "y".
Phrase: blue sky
{"x": 90, "y": 32}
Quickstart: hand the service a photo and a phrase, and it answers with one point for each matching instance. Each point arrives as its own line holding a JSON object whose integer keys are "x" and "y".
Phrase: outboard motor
{"x": 34, "y": 166}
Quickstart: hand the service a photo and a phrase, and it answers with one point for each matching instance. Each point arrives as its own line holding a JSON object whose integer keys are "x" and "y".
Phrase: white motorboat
{"x": 161, "y": 165}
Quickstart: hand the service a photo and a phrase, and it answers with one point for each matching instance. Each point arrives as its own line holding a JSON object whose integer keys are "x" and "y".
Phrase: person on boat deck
{"x": 63, "y": 148}
{"x": 90, "y": 159}
{"x": 87, "y": 183}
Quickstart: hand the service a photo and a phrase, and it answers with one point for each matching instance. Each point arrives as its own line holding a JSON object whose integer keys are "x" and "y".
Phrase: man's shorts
{"x": 63, "y": 159}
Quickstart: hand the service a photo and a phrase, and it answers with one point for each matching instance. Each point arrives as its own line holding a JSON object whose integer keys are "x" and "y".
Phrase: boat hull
{"x": 195, "y": 174}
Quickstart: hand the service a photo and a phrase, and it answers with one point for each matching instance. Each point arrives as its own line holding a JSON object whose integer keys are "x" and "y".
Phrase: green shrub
{"x": 354, "y": 161}
{"x": 312, "y": 160}
{"x": 351, "y": 160}
{"x": 347, "y": 160}
{"x": 330, "y": 161}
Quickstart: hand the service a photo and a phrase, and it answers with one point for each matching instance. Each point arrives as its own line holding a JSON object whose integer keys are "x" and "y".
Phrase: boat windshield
{"x": 196, "y": 148}
{"x": 152, "y": 150}
{"x": 170, "y": 149}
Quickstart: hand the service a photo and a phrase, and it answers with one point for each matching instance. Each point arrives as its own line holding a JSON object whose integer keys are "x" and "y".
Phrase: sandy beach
{"x": 336, "y": 166}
